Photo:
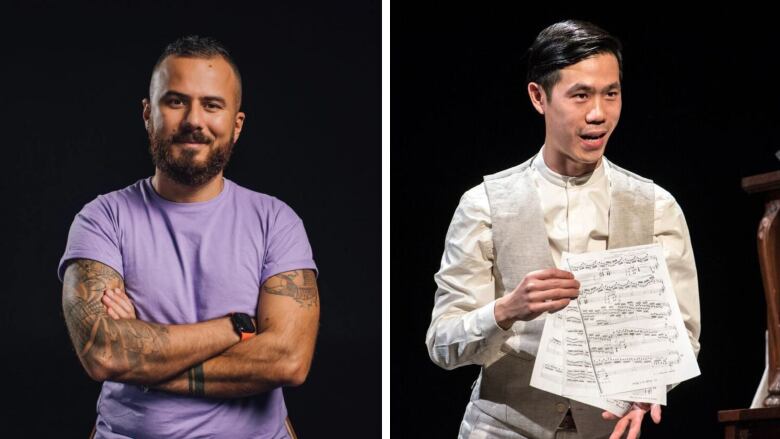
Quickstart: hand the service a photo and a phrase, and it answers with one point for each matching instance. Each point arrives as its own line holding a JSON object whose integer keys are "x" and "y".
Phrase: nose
{"x": 193, "y": 118}
{"x": 596, "y": 113}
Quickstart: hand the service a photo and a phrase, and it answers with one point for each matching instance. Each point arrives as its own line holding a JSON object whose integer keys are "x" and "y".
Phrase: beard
{"x": 184, "y": 169}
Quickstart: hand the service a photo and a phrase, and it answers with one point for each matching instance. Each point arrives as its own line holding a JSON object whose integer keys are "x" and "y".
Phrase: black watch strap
{"x": 243, "y": 325}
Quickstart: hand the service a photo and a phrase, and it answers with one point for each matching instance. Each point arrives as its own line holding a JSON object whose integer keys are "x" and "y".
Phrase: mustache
{"x": 191, "y": 137}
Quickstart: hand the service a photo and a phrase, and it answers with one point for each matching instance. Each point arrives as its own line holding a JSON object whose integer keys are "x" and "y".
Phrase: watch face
{"x": 242, "y": 322}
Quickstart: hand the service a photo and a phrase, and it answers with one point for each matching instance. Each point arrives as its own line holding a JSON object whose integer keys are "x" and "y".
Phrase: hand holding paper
{"x": 623, "y": 339}
{"x": 540, "y": 291}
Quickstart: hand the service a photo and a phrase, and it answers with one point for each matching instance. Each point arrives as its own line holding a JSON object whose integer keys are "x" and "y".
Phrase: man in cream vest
{"x": 498, "y": 278}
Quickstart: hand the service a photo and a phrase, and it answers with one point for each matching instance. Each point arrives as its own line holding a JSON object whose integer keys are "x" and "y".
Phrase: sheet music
{"x": 549, "y": 373}
{"x": 623, "y": 339}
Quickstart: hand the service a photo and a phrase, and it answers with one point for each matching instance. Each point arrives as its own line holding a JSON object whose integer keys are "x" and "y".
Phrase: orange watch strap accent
{"x": 247, "y": 335}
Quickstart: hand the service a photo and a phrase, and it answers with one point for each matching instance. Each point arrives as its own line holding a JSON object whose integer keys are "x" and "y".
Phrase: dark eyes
{"x": 177, "y": 103}
{"x": 585, "y": 96}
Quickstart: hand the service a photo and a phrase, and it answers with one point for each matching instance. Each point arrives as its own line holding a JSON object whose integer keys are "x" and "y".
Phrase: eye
{"x": 175, "y": 102}
{"x": 613, "y": 94}
{"x": 580, "y": 96}
{"x": 212, "y": 106}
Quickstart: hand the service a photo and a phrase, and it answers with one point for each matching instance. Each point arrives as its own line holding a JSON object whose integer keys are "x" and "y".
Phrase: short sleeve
{"x": 287, "y": 246}
{"x": 93, "y": 235}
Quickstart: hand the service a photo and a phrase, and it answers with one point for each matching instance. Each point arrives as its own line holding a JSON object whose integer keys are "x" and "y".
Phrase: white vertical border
{"x": 386, "y": 218}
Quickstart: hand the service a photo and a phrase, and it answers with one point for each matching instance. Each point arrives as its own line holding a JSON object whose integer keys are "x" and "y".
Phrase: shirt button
{"x": 560, "y": 407}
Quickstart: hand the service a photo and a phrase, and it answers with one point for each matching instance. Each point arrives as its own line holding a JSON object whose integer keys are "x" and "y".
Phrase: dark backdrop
{"x": 73, "y": 77}
{"x": 699, "y": 113}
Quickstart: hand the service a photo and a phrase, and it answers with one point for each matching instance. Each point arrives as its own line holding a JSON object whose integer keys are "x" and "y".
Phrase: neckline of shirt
{"x": 565, "y": 181}
{"x": 197, "y": 205}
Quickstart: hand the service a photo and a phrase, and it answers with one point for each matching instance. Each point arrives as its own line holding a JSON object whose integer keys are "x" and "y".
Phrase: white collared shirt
{"x": 463, "y": 328}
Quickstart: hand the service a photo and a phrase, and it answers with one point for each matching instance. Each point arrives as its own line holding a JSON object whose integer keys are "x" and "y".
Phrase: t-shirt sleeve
{"x": 287, "y": 246}
{"x": 93, "y": 235}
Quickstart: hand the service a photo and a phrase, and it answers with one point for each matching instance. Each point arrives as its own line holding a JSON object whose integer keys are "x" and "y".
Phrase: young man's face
{"x": 581, "y": 112}
{"x": 192, "y": 117}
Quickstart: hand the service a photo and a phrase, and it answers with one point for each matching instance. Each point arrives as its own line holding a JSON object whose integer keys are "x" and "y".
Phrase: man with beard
{"x": 193, "y": 299}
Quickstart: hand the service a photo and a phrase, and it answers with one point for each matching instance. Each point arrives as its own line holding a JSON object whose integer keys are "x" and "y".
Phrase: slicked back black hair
{"x": 565, "y": 43}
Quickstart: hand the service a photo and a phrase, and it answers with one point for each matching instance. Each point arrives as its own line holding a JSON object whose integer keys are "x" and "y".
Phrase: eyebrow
{"x": 589, "y": 89}
{"x": 173, "y": 93}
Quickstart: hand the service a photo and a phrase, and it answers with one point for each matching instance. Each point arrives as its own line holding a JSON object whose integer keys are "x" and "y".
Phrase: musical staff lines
{"x": 623, "y": 339}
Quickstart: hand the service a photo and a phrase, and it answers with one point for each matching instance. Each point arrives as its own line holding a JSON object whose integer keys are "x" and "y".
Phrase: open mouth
{"x": 593, "y": 141}
{"x": 592, "y": 136}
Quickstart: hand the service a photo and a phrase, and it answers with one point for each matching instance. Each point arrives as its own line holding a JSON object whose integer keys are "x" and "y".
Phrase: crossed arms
{"x": 202, "y": 359}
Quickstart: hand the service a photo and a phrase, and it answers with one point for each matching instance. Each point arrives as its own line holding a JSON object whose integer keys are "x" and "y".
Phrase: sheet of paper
{"x": 579, "y": 380}
{"x": 548, "y": 372}
{"x": 579, "y": 377}
{"x": 552, "y": 372}
{"x": 631, "y": 319}
{"x": 623, "y": 339}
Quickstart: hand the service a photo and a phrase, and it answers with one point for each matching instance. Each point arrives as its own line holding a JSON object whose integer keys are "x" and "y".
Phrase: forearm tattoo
{"x": 301, "y": 285}
{"x": 197, "y": 381}
{"x": 94, "y": 333}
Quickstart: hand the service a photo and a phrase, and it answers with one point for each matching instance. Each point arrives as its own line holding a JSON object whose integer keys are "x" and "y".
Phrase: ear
{"x": 538, "y": 97}
{"x": 238, "y": 125}
{"x": 147, "y": 111}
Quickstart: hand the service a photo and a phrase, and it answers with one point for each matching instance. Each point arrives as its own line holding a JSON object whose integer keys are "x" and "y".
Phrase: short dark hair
{"x": 194, "y": 46}
{"x": 565, "y": 43}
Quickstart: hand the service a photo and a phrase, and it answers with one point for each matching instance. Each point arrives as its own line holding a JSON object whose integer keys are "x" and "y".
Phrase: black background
{"x": 699, "y": 113}
{"x": 73, "y": 77}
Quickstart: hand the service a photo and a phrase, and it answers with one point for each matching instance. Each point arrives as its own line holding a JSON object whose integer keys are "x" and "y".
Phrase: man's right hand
{"x": 540, "y": 291}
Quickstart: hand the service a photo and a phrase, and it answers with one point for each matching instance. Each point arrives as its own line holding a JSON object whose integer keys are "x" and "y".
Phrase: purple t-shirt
{"x": 186, "y": 263}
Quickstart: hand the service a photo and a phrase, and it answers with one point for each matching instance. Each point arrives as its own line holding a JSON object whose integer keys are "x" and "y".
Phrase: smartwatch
{"x": 243, "y": 325}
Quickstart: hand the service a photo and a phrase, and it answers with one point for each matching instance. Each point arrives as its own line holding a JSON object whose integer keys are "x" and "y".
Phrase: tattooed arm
{"x": 131, "y": 350}
{"x": 279, "y": 355}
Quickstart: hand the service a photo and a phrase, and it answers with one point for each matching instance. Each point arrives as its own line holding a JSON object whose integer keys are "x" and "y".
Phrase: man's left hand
{"x": 633, "y": 419}
{"x": 117, "y": 304}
